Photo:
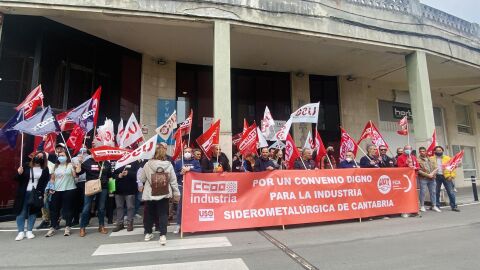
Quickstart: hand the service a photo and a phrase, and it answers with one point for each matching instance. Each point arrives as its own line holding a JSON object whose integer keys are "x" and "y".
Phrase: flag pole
{"x": 181, "y": 150}
{"x": 66, "y": 148}
{"x": 301, "y": 158}
{"x": 364, "y": 153}
{"x": 408, "y": 134}
{"x": 21, "y": 151}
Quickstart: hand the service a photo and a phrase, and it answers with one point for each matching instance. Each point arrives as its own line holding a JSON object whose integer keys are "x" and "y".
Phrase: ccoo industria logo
{"x": 217, "y": 187}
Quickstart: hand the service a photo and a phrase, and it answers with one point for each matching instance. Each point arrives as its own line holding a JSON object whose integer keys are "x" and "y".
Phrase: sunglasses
{"x": 383, "y": 149}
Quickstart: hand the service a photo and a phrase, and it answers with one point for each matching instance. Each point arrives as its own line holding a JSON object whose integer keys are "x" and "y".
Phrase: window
{"x": 469, "y": 162}
{"x": 464, "y": 124}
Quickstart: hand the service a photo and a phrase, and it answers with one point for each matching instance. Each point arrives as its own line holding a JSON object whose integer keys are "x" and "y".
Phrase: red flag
{"x": 433, "y": 144}
{"x": 48, "y": 145}
{"x": 455, "y": 161}
{"x": 65, "y": 122}
{"x": 347, "y": 144}
{"x": 209, "y": 138}
{"x": 403, "y": 123}
{"x": 75, "y": 140}
{"x": 186, "y": 126}
{"x": 178, "y": 145}
{"x": 320, "y": 147}
{"x": 245, "y": 125}
{"x": 248, "y": 143}
{"x": 236, "y": 139}
{"x": 96, "y": 103}
{"x": 371, "y": 131}
{"x": 103, "y": 153}
{"x": 31, "y": 102}
{"x": 291, "y": 152}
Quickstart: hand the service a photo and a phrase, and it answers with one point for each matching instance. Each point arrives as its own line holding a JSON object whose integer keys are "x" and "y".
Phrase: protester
{"x": 46, "y": 198}
{"x": 125, "y": 191}
{"x": 33, "y": 175}
{"x": 349, "y": 161}
{"x": 385, "y": 160}
{"x": 163, "y": 148}
{"x": 271, "y": 153}
{"x": 407, "y": 160}
{"x": 197, "y": 154}
{"x": 264, "y": 163}
{"x": 305, "y": 162}
{"x": 444, "y": 177}
{"x": 63, "y": 194}
{"x": 328, "y": 161}
{"x": 188, "y": 164}
{"x": 278, "y": 160}
{"x": 371, "y": 159}
{"x": 249, "y": 162}
{"x": 158, "y": 205}
{"x": 399, "y": 153}
{"x": 94, "y": 170}
{"x": 237, "y": 163}
{"x": 80, "y": 183}
{"x": 426, "y": 177}
{"x": 218, "y": 161}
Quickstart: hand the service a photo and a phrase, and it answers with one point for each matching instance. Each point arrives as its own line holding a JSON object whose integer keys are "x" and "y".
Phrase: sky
{"x": 468, "y": 10}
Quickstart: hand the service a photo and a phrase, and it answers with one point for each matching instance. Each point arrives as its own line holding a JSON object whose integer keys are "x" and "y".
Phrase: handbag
{"x": 35, "y": 201}
{"x": 93, "y": 187}
{"x": 159, "y": 182}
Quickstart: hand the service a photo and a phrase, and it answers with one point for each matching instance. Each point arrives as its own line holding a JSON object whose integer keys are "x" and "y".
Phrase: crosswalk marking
{"x": 230, "y": 264}
{"x": 136, "y": 231}
{"x": 181, "y": 244}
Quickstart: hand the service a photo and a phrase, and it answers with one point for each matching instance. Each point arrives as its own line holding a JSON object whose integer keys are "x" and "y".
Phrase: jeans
{"x": 25, "y": 214}
{"x": 101, "y": 198}
{"x": 120, "y": 202}
{"x": 138, "y": 201}
{"x": 62, "y": 200}
{"x": 179, "y": 208}
{"x": 448, "y": 187}
{"x": 431, "y": 185}
{"x": 156, "y": 208}
{"x": 78, "y": 202}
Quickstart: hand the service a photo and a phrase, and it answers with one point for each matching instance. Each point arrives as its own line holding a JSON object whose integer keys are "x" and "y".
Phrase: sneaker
{"x": 30, "y": 235}
{"x": 20, "y": 236}
{"x": 455, "y": 190}
{"x": 455, "y": 209}
{"x": 148, "y": 236}
{"x": 177, "y": 229}
{"x": 67, "y": 231}
{"x": 422, "y": 209}
{"x": 50, "y": 232}
{"x": 385, "y": 218}
{"x": 137, "y": 216}
{"x": 163, "y": 240}
{"x": 405, "y": 215}
{"x": 43, "y": 225}
{"x": 436, "y": 209}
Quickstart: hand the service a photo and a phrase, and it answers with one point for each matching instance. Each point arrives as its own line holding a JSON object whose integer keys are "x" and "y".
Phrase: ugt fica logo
{"x": 384, "y": 184}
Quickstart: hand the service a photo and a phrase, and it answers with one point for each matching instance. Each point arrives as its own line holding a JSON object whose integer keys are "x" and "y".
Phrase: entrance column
{"x": 221, "y": 84}
{"x": 300, "y": 95}
{"x": 420, "y": 97}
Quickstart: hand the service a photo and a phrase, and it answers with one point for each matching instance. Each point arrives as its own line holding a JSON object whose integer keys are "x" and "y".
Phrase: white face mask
{"x": 187, "y": 155}
{"x": 348, "y": 159}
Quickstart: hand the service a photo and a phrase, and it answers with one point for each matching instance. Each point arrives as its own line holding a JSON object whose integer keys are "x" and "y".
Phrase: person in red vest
{"x": 407, "y": 159}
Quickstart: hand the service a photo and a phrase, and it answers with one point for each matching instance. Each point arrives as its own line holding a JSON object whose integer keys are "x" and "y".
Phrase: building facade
{"x": 362, "y": 60}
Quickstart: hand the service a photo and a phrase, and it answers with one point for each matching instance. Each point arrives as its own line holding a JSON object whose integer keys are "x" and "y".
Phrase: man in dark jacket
{"x": 125, "y": 191}
{"x": 349, "y": 161}
{"x": 385, "y": 160}
{"x": 264, "y": 163}
{"x": 218, "y": 161}
{"x": 371, "y": 159}
{"x": 305, "y": 162}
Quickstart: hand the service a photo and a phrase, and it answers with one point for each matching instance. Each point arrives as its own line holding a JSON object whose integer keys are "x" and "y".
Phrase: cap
{"x": 60, "y": 145}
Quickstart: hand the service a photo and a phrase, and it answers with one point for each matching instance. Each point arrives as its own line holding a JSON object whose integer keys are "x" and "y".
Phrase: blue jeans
{"x": 25, "y": 214}
{"x": 179, "y": 208}
{"x": 138, "y": 201}
{"x": 448, "y": 187}
{"x": 431, "y": 185}
{"x": 100, "y": 199}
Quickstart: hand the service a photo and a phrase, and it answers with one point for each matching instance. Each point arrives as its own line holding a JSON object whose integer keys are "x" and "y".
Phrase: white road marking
{"x": 136, "y": 231}
{"x": 230, "y": 264}
{"x": 153, "y": 245}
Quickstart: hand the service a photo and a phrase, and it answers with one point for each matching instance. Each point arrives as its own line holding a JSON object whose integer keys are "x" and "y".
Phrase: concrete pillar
{"x": 300, "y": 95}
{"x": 420, "y": 97}
{"x": 221, "y": 84}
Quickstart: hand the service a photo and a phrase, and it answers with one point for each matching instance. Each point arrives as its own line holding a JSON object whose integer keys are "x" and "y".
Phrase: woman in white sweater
{"x": 158, "y": 205}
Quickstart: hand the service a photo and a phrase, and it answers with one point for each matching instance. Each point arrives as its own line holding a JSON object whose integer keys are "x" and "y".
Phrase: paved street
{"x": 445, "y": 240}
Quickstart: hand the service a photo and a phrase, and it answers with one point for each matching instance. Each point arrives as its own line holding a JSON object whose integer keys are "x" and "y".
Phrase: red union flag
{"x": 308, "y": 113}
{"x": 245, "y": 125}
{"x": 76, "y": 139}
{"x": 31, "y": 102}
{"x": 178, "y": 145}
{"x": 144, "y": 151}
{"x": 433, "y": 144}
{"x": 309, "y": 143}
{"x": 65, "y": 122}
{"x": 186, "y": 126}
{"x": 248, "y": 143}
{"x": 455, "y": 161}
{"x": 267, "y": 122}
{"x": 371, "y": 131}
{"x": 347, "y": 144}
{"x": 403, "y": 123}
{"x": 281, "y": 135}
{"x": 291, "y": 152}
{"x": 103, "y": 153}
{"x": 48, "y": 145}
{"x": 209, "y": 138}
{"x": 106, "y": 134}
{"x": 320, "y": 147}
{"x": 236, "y": 139}
{"x": 132, "y": 132}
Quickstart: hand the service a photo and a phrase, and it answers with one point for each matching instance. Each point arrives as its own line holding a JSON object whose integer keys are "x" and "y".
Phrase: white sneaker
{"x": 20, "y": 236}
{"x": 148, "y": 236}
{"x": 385, "y": 218}
{"x": 177, "y": 229}
{"x": 436, "y": 209}
{"x": 30, "y": 235}
{"x": 163, "y": 240}
{"x": 422, "y": 209}
{"x": 137, "y": 216}
{"x": 405, "y": 215}
{"x": 50, "y": 232}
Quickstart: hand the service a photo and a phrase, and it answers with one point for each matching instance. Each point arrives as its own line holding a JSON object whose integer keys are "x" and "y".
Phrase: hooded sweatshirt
{"x": 145, "y": 176}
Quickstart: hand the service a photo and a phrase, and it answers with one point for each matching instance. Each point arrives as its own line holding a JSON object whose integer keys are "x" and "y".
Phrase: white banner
{"x": 281, "y": 135}
{"x": 262, "y": 142}
{"x": 309, "y": 142}
{"x": 144, "y": 151}
{"x": 132, "y": 132}
{"x": 308, "y": 113}
{"x": 277, "y": 145}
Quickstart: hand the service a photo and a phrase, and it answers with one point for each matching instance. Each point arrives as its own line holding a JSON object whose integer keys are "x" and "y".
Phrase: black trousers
{"x": 78, "y": 204}
{"x": 62, "y": 200}
{"x": 156, "y": 208}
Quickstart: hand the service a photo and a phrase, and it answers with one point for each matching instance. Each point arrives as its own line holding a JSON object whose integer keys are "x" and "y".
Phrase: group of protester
{"x": 62, "y": 182}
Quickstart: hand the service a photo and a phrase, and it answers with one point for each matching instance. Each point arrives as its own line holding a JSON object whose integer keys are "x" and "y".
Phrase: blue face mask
{"x": 83, "y": 150}
{"x": 62, "y": 159}
{"x": 407, "y": 152}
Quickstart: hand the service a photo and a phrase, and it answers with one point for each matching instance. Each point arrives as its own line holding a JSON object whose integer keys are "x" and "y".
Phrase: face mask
{"x": 83, "y": 150}
{"x": 407, "y": 152}
{"x": 348, "y": 159}
{"x": 62, "y": 159}
{"x": 187, "y": 155}
{"x": 438, "y": 154}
